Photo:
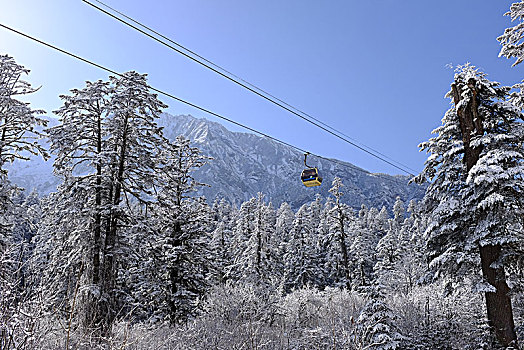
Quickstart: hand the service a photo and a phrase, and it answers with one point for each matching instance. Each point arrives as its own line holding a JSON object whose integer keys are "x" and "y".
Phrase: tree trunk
{"x": 109, "y": 271}
{"x": 343, "y": 247}
{"x": 498, "y": 303}
{"x": 174, "y": 276}
{"x": 93, "y": 315}
{"x": 98, "y": 213}
{"x": 500, "y": 313}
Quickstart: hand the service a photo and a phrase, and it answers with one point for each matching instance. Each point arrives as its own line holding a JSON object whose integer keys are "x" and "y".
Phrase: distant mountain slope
{"x": 35, "y": 174}
{"x": 244, "y": 164}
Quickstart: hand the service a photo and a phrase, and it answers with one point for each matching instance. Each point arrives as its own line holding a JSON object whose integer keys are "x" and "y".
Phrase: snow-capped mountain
{"x": 244, "y": 164}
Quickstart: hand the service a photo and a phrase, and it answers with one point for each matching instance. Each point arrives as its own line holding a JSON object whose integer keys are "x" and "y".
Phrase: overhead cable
{"x": 250, "y": 87}
{"x": 349, "y": 165}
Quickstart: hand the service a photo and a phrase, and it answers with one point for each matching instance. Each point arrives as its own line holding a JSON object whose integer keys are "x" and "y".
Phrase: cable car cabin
{"x": 310, "y": 177}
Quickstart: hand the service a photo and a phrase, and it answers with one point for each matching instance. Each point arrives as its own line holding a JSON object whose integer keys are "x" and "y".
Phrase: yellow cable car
{"x": 309, "y": 176}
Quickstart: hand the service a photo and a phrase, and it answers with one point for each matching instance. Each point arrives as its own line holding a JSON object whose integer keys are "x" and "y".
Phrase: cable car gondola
{"x": 309, "y": 176}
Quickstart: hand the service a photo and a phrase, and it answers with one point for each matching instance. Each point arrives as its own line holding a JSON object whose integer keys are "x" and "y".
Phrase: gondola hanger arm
{"x": 305, "y": 159}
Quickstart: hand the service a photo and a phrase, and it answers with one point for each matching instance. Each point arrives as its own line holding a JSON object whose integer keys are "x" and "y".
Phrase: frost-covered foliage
{"x": 376, "y": 327}
{"x": 18, "y": 122}
{"x": 253, "y": 317}
{"x": 109, "y": 153}
{"x": 18, "y": 215}
{"x": 489, "y": 194}
{"x": 252, "y": 238}
{"x": 475, "y": 201}
{"x": 169, "y": 274}
{"x": 512, "y": 40}
{"x": 339, "y": 218}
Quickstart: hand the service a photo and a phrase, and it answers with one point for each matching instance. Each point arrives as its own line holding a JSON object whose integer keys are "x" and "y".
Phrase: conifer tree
{"x": 340, "y": 217}
{"x": 281, "y": 238}
{"x": 475, "y": 197}
{"x": 362, "y": 251}
{"x": 301, "y": 260}
{"x": 390, "y": 248}
{"x": 325, "y": 245}
{"x": 512, "y": 40}
{"x": 376, "y": 327}
{"x": 253, "y": 231}
{"x": 107, "y": 148}
{"x": 221, "y": 240}
{"x": 177, "y": 250}
{"x": 19, "y": 132}
{"x": 18, "y": 122}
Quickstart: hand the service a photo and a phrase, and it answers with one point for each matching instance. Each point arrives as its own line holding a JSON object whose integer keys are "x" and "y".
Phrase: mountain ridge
{"x": 244, "y": 164}
{"x": 247, "y": 158}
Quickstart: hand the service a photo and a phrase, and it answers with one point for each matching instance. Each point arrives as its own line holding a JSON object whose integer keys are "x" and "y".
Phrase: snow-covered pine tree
{"x": 362, "y": 251}
{"x": 221, "y": 239}
{"x": 398, "y": 212}
{"x": 390, "y": 248}
{"x": 242, "y": 231}
{"x": 512, "y": 40}
{"x": 134, "y": 143}
{"x": 253, "y": 231}
{"x": 284, "y": 222}
{"x": 475, "y": 195}
{"x": 279, "y": 242}
{"x": 340, "y": 217}
{"x": 301, "y": 259}
{"x": 81, "y": 149}
{"x": 324, "y": 246}
{"x": 175, "y": 257}
{"x": 18, "y": 122}
{"x": 376, "y": 329}
{"x": 107, "y": 149}
{"x": 19, "y": 133}
{"x": 411, "y": 265}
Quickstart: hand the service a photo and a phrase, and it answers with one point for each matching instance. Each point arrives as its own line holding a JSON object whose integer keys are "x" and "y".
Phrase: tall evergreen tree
{"x": 107, "y": 149}
{"x": 362, "y": 251}
{"x": 513, "y": 38}
{"x": 280, "y": 241}
{"x": 253, "y": 232}
{"x": 475, "y": 197}
{"x": 390, "y": 247}
{"x": 221, "y": 240}
{"x": 176, "y": 252}
{"x": 301, "y": 259}
{"x": 18, "y": 122}
{"x": 340, "y": 217}
{"x": 19, "y": 132}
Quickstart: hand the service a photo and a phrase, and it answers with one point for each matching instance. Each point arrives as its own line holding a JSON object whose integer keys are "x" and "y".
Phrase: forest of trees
{"x": 124, "y": 255}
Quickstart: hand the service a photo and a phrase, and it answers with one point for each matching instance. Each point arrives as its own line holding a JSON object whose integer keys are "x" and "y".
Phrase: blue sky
{"x": 374, "y": 69}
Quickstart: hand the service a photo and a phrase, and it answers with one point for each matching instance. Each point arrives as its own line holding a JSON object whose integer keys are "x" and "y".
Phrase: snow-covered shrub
{"x": 431, "y": 319}
{"x": 234, "y": 317}
{"x": 376, "y": 327}
{"x": 325, "y": 318}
